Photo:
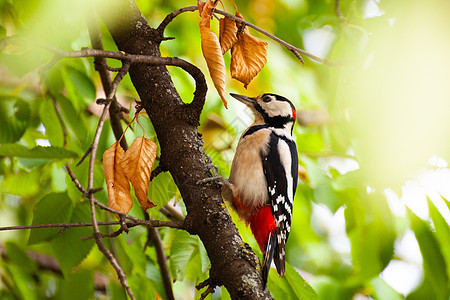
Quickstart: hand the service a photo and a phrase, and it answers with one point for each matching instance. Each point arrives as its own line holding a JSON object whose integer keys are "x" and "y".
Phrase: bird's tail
{"x": 268, "y": 255}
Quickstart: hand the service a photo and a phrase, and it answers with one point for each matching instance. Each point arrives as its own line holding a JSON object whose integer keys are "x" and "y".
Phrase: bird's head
{"x": 270, "y": 109}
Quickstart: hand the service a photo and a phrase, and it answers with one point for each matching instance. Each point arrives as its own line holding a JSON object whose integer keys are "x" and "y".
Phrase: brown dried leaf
{"x": 214, "y": 59}
{"x": 137, "y": 165}
{"x": 248, "y": 56}
{"x": 227, "y": 34}
{"x": 200, "y": 5}
{"x": 119, "y": 196}
{"x": 204, "y": 8}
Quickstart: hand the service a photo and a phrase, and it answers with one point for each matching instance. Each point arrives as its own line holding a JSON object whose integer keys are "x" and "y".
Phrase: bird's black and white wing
{"x": 280, "y": 167}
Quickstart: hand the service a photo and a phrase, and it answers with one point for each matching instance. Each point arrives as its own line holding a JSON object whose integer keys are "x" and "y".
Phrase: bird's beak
{"x": 249, "y": 101}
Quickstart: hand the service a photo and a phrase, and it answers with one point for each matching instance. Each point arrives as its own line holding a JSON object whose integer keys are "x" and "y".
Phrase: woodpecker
{"x": 263, "y": 177}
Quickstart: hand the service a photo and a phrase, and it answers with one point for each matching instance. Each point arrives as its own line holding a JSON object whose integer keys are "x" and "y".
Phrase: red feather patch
{"x": 261, "y": 225}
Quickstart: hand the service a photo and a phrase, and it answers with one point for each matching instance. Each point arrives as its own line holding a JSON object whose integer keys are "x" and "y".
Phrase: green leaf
{"x": 382, "y": 290}
{"x": 16, "y": 150}
{"x": 16, "y": 255}
{"x": 14, "y": 119}
{"x": 68, "y": 247}
{"x": 292, "y": 286}
{"x": 183, "y": 246}
{"x": 436, "y": 280}
{"x": 206, "y": 263}
{"x": 78, "y": 285}
{"x": 21, "y": 282}
{"x": 49, "y": 118}
{"x": 333, "y": 289}
{"x": 53, "y": 208}
{"x": 117, "y": 292}
{"x": 79, "y": 87}
{"x": 73, "y": 118}
{"x": 23, "y": 183}
{"x": 161, "y": 189}
{"x": 84, "y": 84}
{"x": 370, "y": 227}
{"x": 301, "y": 288}
{"x": 442, "y": 229}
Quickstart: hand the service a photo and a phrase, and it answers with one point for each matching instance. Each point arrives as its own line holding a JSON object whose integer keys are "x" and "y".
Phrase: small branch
{"x": 293, "y": 49}
{"x": 115, "y": 113}
{"x": 129, "y": 224}
{"x": 207, "y": 283}
{"x": 171, "y": 213}
{"x": 169, "y": 18}
{"x": 84, "y": 156}
{"x": 153, "y": 235}
{"x": 64, "y": 225}
{"x": 112, "y": 259}
{"x": 119, "y": 76}
{"x": 60, "y": 118}
{"x": 192, "y": 114}
{"x": 75, "y": 180}
{"x": 158, "y": 170}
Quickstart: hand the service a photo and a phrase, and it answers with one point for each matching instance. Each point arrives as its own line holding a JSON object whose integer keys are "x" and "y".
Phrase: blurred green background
{"x": 371, "y": 213}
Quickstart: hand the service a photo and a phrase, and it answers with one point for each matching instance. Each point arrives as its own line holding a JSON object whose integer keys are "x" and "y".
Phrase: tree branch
{"x": 153, "y": 235}
{"x": 148, "y": 223}
{"x": 191, "y": 113}
{"x": 296, "y": 51}
{"x": 112, "y": 260}
{"x": 115, "y": 113}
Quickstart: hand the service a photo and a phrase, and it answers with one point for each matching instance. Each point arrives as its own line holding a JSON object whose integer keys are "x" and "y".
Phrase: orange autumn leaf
{"x": 119, "y": 196}
{"x": 212, "y": 52}
{"x": 137, "y": 164}
{"x": 204, "y": 8}
{"x": 200, "y": 5}
{"x": 248, "y": 56}
{"x": 227, "y": 34}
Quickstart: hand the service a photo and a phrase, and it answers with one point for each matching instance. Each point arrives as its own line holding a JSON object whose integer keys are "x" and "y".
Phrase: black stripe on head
{"x": 277, "y": 121}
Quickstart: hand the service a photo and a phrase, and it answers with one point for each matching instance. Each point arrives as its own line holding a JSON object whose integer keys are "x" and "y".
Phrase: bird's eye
{"x": 267, "y": 99}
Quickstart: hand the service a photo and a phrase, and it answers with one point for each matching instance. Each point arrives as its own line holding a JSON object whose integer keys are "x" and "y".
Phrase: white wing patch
{"x": 285, "y": 158}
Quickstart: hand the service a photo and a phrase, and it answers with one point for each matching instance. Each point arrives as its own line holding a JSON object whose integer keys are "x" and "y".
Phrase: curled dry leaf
{"x": 248, "y": 56}
{"x": 119, "y": 196}
{"x": 205, "y": 8}
{"x": 200, "y": 5}
{"x": 137, "y": 164}
{"x": 227, "y": 34}
{"x": 212, "y": 52}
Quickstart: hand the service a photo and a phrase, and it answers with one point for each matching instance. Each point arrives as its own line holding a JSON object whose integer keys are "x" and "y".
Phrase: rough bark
{"x": 233, "y": 264}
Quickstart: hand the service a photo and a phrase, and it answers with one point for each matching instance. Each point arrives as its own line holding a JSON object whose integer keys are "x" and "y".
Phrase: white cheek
{"x": 277, "y": 108}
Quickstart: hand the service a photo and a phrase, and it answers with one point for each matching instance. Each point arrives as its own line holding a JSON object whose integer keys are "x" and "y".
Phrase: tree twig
{"x": 192, "y": 114}
{"x": 60, "y": 118}
{"x": 153, "y": 235}
{"x": 112, "y": 260}
{"x": 149, "y": 223}
{"x": 172, "y": 213}
{"x": 115, "y": 113}
{"x": 293, "y": 49}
